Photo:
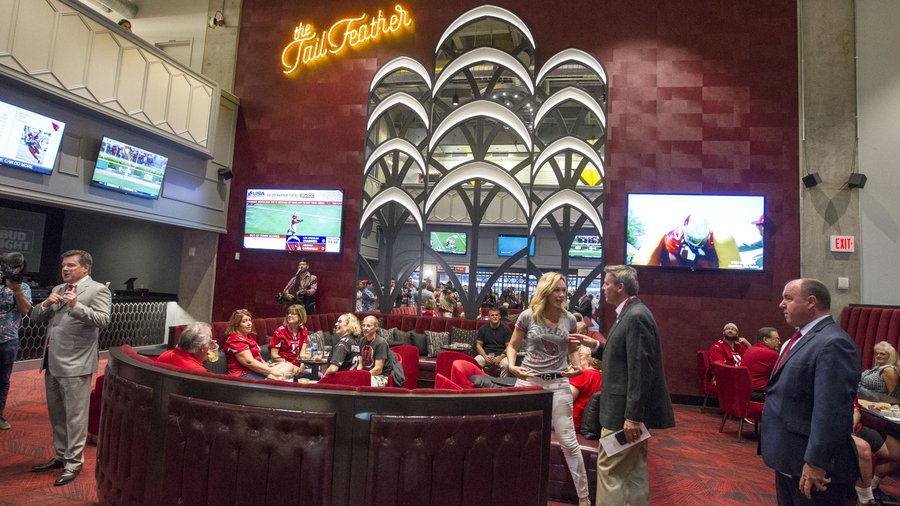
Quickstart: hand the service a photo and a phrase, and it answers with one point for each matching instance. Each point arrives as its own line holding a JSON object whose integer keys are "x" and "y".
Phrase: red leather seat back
{"x": 218, "y": 330}
{"x": 442, "y": 382}
{"x": 444, "y": 361}
{"x": 470, "y": 324}
{"x": 354, "y": 378}
{"x": 408, "y": 322}
{"x": 259, "y": 326}
{"x": 460, "y": 371}
{"x": 242, "y": 448}
{"x": 734, "y": 390}
{"x": 409, "y": 357}
{"x": 392, "y": 321}
{"x": 418, "y": 460}
{"x": 703, "y": 371}
{"x": 272, "y": 324}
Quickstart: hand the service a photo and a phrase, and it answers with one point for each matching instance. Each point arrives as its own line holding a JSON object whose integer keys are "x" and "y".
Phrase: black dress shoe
{"x": 65, "y": 477}
{"x": 53, "y": 464}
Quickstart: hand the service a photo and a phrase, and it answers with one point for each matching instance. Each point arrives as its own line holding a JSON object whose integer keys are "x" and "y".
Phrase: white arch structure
{"x": 395, "y": 144}
{"x": 487, "y": 54}
{"x": 572, "y": 55}
{"x": 398, "y": 63}
{"x": 563, "y": 198}
{"x": 568, "y": 143}
{"x": 485, "y": 11}
{"x": 478, "y": 170}
{"x": 399, "y": 98}
{"x": 570, "y": 93}
{"x": 475, "y": 109}
{"x": 393, "y": 194}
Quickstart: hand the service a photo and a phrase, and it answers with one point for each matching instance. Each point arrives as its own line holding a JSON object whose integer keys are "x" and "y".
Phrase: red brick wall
{"x": 703, "y": 99}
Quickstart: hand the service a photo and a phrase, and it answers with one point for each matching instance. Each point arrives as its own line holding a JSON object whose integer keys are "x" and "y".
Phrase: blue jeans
{"x": 8, "y": 352}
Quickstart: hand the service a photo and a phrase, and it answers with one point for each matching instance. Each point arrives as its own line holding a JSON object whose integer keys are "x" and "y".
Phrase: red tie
{"x": 787, "y": 350}
{"x": 70, "y": 288}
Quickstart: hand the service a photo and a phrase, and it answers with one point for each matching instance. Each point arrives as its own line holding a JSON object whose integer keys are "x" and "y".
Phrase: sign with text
{"x": 843, "y": 243}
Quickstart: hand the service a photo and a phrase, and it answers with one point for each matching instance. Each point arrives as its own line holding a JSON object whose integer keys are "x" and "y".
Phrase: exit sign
{"x": 843, "y": 243}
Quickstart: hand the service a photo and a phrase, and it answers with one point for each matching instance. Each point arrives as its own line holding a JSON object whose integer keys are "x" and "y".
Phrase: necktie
{"x": 787, "y": 350}
{"x": 70, "y": 288}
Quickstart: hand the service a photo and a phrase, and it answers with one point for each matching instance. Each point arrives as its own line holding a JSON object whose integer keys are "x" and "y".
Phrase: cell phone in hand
{"x": 620, "y": 437}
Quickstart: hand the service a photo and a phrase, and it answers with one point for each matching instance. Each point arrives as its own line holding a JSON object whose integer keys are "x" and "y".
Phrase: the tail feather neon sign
{"x": 308, "y": 46}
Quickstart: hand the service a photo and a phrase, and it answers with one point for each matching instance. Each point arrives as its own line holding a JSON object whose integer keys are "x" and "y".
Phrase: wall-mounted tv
{"x": 509, "y": 245}
{"x": 304, "y": 220}
{"x": 450, "y": 243}
{"x": 128, "y": 169}
{"x": 695, "y": 231}
{"x": 587, "y": 246}
{"x": 28, "y": 140}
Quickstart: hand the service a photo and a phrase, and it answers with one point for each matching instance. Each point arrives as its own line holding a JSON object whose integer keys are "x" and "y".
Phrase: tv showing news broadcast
{"x": 696, "y": 231}
{"x": 450, "y": 243}
{"x": 587, "y": 246}
{"x": 128, "y": 169}
{"x": 304, "y": 220}
{"x": 28, "y": 140}
{"x": 509, "y": 245}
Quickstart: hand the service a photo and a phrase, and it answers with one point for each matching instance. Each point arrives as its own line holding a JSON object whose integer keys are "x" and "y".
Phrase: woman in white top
{"x": 883, "y": 377}
{"x": 550, "y": 359}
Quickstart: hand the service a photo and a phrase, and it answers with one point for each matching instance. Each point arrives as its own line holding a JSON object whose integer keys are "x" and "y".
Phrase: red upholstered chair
{"x": 409, "y": 360}
{"x": 94, "y": 409}
{"x": 704, "y": 377}
{"x": 272, "y": 324}
{"x": 442, "y": 382}
{"x": 445, "y": 359}
{"x": 354, "y": 378}
{"x": 734, "y": 396}
{"x": 218, "y": 330}
{"x": 259, "y": 325}
{"x": 461, "y": 371}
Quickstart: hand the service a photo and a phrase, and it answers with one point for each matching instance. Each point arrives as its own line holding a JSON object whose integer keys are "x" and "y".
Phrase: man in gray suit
{"x": 634, "y": 389}
{"x": 75, "y": 311}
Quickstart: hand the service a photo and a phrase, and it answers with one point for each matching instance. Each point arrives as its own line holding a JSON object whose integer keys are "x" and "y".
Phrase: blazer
{"x": 634, "y": 383}
{"x": 808, "y": 414}
{"x": 72, "y": 333}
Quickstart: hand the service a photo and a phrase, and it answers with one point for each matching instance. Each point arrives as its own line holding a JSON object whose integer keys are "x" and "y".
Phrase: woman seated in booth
{"x": 345, "y": 354}
{"x": 882, "y": 378}
{"x": 291, "y": 339}
{"x": 585, "y": 384}
{"x": 430, "y": 307}
{"x": 242, "y": 351}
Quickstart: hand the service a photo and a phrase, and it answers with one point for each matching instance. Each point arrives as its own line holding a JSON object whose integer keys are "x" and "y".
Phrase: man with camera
{"x": 15, "y": 303}
{"x": 301, "y": 289}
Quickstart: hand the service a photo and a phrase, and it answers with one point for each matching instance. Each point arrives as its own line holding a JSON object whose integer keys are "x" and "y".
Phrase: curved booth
{"x": 173, "y": 437}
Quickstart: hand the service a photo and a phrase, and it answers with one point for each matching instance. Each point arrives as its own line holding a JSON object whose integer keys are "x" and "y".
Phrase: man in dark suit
{"x": 75, "y": 311}
{"x": 634, "y": 389}
{"x": 808, "y": 416}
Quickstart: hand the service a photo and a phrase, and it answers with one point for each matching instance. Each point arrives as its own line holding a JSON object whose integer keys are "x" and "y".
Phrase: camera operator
{"x": 15, "y": 303}
{"x": 301, "y": 289}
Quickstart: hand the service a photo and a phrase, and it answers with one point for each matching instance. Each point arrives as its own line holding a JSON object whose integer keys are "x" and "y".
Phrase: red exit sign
{"x": 843, "y": 243}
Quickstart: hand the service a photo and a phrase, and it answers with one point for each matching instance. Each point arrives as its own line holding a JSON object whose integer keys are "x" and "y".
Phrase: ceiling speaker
{"x": 857, "y": 180}
{"x": 811, "y": 180}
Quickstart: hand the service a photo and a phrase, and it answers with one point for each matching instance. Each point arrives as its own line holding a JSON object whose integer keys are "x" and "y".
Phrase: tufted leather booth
{"x": 868, "y": 325}
{"x": 561, "y": 487}
{"x": 249, "y": 455}
{"x": 455, "y": 460}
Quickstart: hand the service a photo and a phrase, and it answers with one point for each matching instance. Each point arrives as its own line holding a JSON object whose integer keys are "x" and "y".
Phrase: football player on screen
{"x": 292, "y": 230}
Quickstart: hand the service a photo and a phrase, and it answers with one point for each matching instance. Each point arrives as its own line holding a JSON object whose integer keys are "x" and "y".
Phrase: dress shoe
{"x": 65, "y": 477}
{"x": 53, "y": 464}
{"x": 4, "y": 425}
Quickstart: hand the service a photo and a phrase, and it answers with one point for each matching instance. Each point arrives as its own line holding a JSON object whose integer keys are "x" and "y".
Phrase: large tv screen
{"x": 587, "y": 246}
{"x": 450, "y": 243}
{"x": 695, "y": 231}
{"x": 28, "y": 140}
{"x": 509, "y": 245}
{"x": 294, "y": 220}
{"x": 129, "y": 169}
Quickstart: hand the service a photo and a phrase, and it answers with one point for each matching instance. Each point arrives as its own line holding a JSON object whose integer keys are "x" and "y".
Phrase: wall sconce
{"x": 455, "y": 100}
{"x": 857, "y": 180}
{"x": 217, "y": 19}
{"x": 811, "y": 180}
{"x": 225, "y": 174}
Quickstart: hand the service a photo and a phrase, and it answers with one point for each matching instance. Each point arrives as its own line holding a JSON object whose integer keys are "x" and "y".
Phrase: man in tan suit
{"x": 75, "y": 311}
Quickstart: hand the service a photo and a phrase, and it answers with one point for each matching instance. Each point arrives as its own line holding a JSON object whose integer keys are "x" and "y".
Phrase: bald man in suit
{"x": 74, "y": 312}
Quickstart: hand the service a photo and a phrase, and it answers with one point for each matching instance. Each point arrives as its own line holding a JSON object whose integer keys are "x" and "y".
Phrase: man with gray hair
{"x": 194, "y": 346}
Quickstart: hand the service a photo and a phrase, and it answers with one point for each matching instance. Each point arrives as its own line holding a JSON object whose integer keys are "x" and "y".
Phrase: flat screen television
{"x": 695, "y": 231}
{"x": 450, "y": 243}
{"x": 587, "y": 246}
{"x": 128, "y": 169}
{"x": 306, "y": 220}
{"x": 509, "y": 245}
{"x": 28, "y": 140}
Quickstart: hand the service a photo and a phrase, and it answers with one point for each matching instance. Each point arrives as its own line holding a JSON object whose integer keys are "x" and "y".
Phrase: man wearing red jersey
{"x": 194, "y": 346}
{"x": 760, "y": 360}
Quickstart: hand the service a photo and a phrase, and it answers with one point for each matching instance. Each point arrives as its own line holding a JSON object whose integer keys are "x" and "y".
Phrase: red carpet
{"x": 691, "y": 464}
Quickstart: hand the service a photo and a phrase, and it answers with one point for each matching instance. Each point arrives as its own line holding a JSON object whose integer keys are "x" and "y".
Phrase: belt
{"x": 547, "y": 376}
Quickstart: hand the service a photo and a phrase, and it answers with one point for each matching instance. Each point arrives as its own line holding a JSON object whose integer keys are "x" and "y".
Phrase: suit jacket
{"x": 634, "y": 383}
{"x": 808, "y": 414}
{"x": 72, "y": 333}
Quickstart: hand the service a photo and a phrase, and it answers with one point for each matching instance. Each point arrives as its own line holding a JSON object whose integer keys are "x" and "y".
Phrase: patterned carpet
{"x": 692, "y": 464}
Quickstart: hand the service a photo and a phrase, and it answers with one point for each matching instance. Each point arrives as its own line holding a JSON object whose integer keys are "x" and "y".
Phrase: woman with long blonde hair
{"x": 550, "y": 360}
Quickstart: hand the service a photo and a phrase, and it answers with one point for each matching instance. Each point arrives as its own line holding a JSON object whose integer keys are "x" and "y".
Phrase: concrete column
{"x": 220, "y": 50}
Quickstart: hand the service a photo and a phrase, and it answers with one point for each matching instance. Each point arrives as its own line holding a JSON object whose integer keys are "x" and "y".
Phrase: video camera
{"x": 12, "y": 267}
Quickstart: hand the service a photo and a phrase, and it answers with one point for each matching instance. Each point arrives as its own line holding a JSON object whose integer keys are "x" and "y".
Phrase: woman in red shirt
{"x": 242, "y": 351}
{"x": 584, "y": 385}
{"x": 290, "y": 340}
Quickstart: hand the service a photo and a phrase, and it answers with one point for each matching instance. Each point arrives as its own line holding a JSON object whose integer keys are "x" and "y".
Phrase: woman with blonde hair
{"x": 345, "y": 354}
{"x": 550, "y": 360}
{"x": 242, "y": 351}
{"x": 883, "y": 377}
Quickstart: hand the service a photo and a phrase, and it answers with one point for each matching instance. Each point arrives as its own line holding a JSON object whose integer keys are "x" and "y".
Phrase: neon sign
{"x": 309, "y": 46}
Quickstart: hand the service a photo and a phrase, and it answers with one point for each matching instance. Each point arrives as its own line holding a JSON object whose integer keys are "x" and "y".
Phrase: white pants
{"x": 504, "y": 365}
{"x": 564, "y": 427}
